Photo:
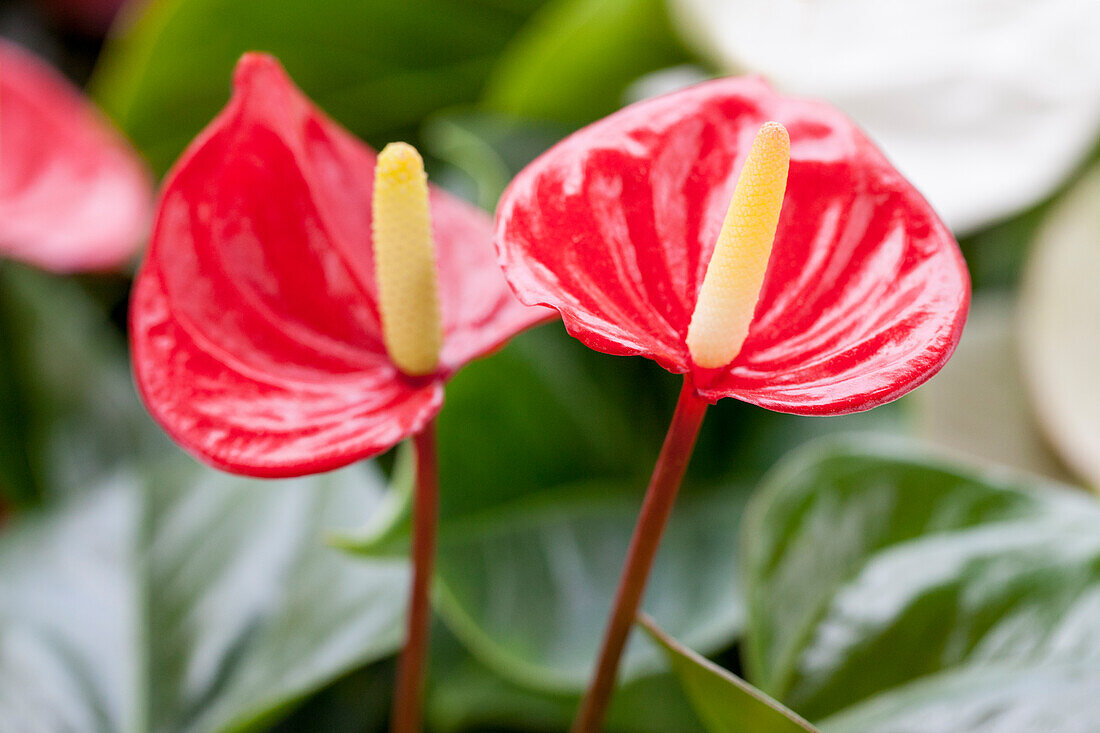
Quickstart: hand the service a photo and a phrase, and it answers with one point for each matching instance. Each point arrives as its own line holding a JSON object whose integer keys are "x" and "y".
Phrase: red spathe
{"x": 866, "y": 291}
{"x": 73, "y": 195}
{"x": 255, "y": 329}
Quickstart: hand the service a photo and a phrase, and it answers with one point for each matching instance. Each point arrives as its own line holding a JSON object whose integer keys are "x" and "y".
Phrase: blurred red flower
{"x": 866, "y": 291}
{"x": 254, "y": 322}
{"x": 73, "y": 195}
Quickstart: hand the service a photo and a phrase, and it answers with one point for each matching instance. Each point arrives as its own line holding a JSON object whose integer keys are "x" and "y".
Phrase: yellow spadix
{"x": 404, "y": 261}
{"x": 735, "y": 275}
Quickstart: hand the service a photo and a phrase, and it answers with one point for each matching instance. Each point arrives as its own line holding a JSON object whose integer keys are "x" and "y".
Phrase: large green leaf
{"x": 188, "y": 600}
{"x": 487, "y": 149}
{"x": 725, "y": 702}
{"x": 69, "y": 408}
{"x": 874, "y": 575}
{"x": 545, "y": 449}
{"x": 545, "y": 412}
{"x": 377, "y": 66}
{"x": 575, "y": 58}
{"x": 527, "y": 587}
{"x": 1000, "y": 699}
{"x": 465, "y": 695}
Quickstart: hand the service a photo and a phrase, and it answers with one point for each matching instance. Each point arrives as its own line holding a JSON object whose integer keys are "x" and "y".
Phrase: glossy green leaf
{"x": 69, "y": 408}
{"x": 527, "y": 587}
{"x": 1059, "y": 330}
{"x": 575, "y": 59}
{"x": 725, "y": 702}
{"x": 184, "y": 599}
{"x": 487, "y": 149}
{"x": 388, "y": 529}
{"x": 545, "y": 449}
{"x": 465, "y": 695}
{"x": 871, "y": 571}
{"x": 378, "y": 67}
{"x": 1003, "y": 699}
{"x": 542, "y": 413}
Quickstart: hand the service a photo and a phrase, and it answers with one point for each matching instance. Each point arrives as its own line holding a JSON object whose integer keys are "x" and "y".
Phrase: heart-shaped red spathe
{"x": 73, "y": 194}
{"x": 866, "y": 291}
{"x": 254, "y": 321}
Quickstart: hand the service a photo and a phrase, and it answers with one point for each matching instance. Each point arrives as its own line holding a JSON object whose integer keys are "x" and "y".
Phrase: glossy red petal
{"x": 255, "y": 329}
{"x": 73, "y": 195}
{"x": 866, "y": 291}
{"x": 260, "y": 423}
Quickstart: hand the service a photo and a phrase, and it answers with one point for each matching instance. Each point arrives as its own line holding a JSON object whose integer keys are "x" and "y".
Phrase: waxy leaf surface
{"x": 894, "y": 591}
{"x": 255, "y": 328}
{"x": 181, "y": 599}
{"x": 866, "y": 291}
{"x": 73, "y": 195}
{"x": 378, "y": 66}
{"x": 725, "y": 702}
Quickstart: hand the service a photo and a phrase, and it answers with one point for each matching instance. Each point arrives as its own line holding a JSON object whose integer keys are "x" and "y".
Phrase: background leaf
{"x": 1001, "y": 699}
{"x": 465, "y": 695}
{"x": 725, "y": 702}
{"x": 870, "y": 571}
{"x": 528, "y": 587}
{"x": 71, "y": 412}
{"x": 378, "y": 67}
{"x": 188, "y": 600}
{"x": 575, "y": 59}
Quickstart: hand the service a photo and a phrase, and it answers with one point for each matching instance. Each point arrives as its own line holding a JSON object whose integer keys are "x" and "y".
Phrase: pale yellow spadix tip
{"x": 735, "y": 275}
{"x": 404, "y": 261}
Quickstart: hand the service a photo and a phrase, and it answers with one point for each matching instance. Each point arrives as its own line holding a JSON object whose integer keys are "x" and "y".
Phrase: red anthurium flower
{"x": 257, "y": 341}
{"x": 304, "y": 300}
{"x": 73, "y": 195}
{"x": 866, "y": 291}
{"x": 758, "y": 244}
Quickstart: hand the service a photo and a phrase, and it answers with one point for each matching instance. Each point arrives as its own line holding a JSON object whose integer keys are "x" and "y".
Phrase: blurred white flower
{"x": 986, "y": 105}
{"x": 1060, "y": 327}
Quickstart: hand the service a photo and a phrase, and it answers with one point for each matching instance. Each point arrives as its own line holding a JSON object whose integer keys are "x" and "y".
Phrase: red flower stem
{"x": 659, "y": 498}
{"x": 406, "y": 714}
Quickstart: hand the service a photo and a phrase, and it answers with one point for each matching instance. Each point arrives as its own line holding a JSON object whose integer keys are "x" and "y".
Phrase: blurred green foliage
{"x": 378, "y": 67}
{"x": 878, "y": 577}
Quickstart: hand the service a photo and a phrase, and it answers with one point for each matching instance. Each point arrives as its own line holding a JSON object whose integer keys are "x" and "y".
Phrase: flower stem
{"x": 406, "y": 714}
{"x": 659, "y": 498}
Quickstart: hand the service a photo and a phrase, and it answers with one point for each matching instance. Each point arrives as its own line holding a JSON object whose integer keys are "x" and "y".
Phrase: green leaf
{"x": 465, "y": 695}
{"x": 527, "y": 587}
{"x": 1059, "y": 336}
{"x": 725, "y": 702}
{"x": 1001, "y": 699}
{"x": 71, "y": 415}
{"x": 377, "y": 66}
{"x": 185, "y": 599}
{"x": 388, "y": 529}
{"x": 488, "y": 149}
{"x": 545, "y": 449}
{"x": 871, "y": 571}
{"x": 575, "y": 59}
{"x": 546, "y": 412}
